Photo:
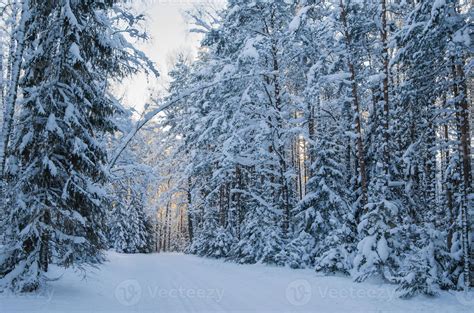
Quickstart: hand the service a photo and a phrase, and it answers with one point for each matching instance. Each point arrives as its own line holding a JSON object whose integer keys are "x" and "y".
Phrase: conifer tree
{"x": 56, "y": 211}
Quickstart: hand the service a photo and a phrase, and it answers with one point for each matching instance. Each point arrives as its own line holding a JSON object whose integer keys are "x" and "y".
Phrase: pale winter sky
{"x": 169, "y": 33}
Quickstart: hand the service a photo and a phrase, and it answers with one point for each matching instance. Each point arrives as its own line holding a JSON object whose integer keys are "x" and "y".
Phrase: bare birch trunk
{"x": 18, "y": 37}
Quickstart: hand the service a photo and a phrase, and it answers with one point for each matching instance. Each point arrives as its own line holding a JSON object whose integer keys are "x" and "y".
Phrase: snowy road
{"x": 181, "y": 283}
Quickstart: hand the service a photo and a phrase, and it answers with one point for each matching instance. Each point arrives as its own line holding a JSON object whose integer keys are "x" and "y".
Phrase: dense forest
{"x": 324, "y": 134}
{"x": 333, "y": 135}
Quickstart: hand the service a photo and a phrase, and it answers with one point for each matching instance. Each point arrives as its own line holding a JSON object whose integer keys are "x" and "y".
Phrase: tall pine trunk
{"x": 464, "y": 151}
{"x": 356, "y": 108}
{"x": 190, "y": 216}
{"x": 385, "y": 87}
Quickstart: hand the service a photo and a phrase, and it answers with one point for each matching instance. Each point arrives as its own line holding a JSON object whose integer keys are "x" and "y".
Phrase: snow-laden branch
{"x": 150, "y": 115}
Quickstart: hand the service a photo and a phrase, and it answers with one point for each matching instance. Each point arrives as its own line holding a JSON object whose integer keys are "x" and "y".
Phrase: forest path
{"x": 182, "y": 283}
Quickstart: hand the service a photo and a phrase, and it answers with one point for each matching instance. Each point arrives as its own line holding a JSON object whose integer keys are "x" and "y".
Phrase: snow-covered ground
{"x": 182, "y": 283}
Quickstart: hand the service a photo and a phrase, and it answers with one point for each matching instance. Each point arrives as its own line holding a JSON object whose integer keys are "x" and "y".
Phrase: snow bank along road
{"x": 181, "y": 283}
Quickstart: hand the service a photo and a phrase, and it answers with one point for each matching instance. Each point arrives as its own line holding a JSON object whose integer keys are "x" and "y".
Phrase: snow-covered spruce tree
{"x": 419, "y": 271}
{"x": 200, "y": 126}
{"x": 308, "y": 44}
{"x": 260, "y": 241}
{"x": 330, "y": 197}
{"x": 377, "y": 254}
{"x": 203, "y": 143}
{"x": 325, "y": 211}
{"x": 213, "y": 240}
{"x": 56, "y": 212}
{"x": 331, "y": 63}
{"x": 355, "y": 22}
{"x": 324, "y": 208}
{"x": 432, "y": 36}
{"x": 414, "y": 117}
{"x": 177, "y": 157}
{"x": 232, "y": 159}
{"x": 129, "y": 229}
{"x": 265, "y": 131}
{"x": 450, "y": 21}
{"x": 180, "y": 76}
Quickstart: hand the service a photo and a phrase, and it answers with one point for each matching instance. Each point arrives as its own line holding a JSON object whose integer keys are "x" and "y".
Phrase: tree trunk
{"x": 356, "y": 108}
{"x": 278, "y": 149}
{"x": 464, "y": 150}
{"x": 312, "y": 138}
{"x": 45, "y": 250}
{"x": 18, "y": 36}
{"x": 386, "y": 116}
{"x": 2, "y": 78}
{"x": 190, "y": 219}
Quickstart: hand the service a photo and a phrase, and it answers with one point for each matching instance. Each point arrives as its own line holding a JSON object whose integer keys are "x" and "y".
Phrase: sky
{"x": 169, "y": 32}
